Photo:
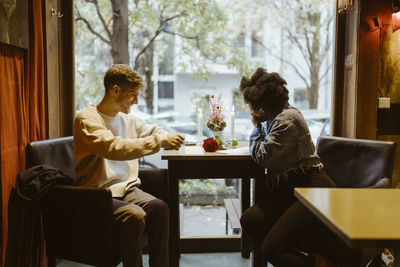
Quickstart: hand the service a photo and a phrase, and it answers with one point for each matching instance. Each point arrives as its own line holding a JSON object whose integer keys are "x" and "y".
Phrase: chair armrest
{"x": 383, "y": 183}
{"x": 155, "y": 182}
{"x": 77, "y": 217}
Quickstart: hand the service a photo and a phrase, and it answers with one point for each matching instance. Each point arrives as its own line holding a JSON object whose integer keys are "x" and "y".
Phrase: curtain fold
{"x": 12, "y": 126}
{"x": 22, "y": 107}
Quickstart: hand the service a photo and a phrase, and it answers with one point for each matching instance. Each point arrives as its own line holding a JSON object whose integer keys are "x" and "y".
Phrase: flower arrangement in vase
{"x": 216, "y": 122}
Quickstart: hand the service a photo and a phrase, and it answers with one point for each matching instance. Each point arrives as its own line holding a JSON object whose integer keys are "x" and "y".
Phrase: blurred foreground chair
{"x": 78, "y": 222}
{"x": 357, "y": 162}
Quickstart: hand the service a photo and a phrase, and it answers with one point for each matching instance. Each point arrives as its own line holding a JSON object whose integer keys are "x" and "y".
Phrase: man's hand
{"x": 256, "y": 121}
{"x": 173, "y": 141}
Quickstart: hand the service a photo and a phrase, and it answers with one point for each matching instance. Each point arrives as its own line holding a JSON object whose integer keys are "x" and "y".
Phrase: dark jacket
{"x": 25, "y": 243}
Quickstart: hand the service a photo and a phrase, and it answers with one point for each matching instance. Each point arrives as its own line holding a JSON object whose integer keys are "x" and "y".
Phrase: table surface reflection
{"x": 362, "y": 217}
{"x": 241, "y": 151}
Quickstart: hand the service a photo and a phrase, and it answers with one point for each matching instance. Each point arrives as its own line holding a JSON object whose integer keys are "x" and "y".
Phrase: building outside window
{"x": 165, "y": 96}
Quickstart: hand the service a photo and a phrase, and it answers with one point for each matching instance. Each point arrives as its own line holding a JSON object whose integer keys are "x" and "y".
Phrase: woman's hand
{"x": 256, "y": 121}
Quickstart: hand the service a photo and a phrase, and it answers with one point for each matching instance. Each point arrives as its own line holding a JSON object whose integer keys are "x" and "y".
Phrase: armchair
{"x": 78, "y": 221}
{"x": 357, "y": 162}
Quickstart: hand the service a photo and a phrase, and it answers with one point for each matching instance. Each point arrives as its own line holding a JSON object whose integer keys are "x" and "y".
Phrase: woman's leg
{"x": 299, "y": 230}
{"x": 257, "y": 220}
{"x": 281, "y": 246}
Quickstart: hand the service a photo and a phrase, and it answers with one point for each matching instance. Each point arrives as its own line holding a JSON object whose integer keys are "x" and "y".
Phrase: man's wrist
{"x": 164, "y": 140}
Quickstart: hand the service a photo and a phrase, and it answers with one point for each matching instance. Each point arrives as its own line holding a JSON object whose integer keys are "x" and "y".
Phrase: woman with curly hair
{"x": 281, "y": 143}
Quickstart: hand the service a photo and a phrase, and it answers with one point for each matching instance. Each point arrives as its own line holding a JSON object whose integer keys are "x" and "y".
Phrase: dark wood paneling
{"x": 338, "y": 86}
{"x": 59, "y": 33}
{"x": 67, "y": 67}
{"x": 350, "y": 71}
{"x": 388, "y": 121}
{"x": 370, "y": 47}
{"x": 52, "y": 67}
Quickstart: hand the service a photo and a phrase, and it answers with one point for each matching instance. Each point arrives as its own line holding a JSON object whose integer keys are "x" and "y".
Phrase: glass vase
{"x": 220, "y": 134}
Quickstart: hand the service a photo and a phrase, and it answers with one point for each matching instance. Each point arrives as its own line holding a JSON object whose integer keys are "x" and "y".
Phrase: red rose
{"x": 210, "y": 145}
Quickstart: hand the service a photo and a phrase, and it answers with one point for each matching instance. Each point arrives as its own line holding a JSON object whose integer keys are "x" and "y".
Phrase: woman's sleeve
{"x": 271, "y": 149}
{"x": 102, "y": 142}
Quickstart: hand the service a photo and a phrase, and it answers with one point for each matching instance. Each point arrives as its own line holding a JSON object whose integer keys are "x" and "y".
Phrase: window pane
{"x": 165, "y": 89}
{"x": 204, "y": 48}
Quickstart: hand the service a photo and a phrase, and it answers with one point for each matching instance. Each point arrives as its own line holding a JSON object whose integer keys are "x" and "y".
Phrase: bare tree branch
{"x": 297, "y": 43}
{"x": 156, "y": 33}
{"x": 90, "y": 28}
{"x": 325, "y": 73}
{"x": 328, "y": 42}
{"x": 294, "y": 66}
{"x": 296, "y": 69}
{"x": 308, "y": 47}
{"x": 181, "y": 35}
{"x": 103, "y": 22}
{"x": 327, "y": 47}
{"x": 175, "y": 16}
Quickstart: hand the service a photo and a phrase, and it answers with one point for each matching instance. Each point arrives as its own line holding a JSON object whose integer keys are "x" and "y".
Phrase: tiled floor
{"x": 193, "y": 260}
{"x": 204, "y": 221}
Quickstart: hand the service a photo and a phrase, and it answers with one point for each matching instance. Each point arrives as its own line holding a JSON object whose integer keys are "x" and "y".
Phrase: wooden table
{"x": 191, "y": 162}
{"x": 361, "y": 217}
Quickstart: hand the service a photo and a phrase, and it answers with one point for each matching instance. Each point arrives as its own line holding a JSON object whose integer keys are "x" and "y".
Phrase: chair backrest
{"x": 57, "y": 153}
{"x": 356, "y": 162}
{"x": 78, "y": 221}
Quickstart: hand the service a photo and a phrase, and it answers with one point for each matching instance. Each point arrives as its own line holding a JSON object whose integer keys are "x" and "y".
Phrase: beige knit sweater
{"x": 107, "y": 148}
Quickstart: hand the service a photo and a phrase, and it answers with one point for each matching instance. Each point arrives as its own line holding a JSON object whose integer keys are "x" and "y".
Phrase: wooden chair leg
{"x": 245, "y": 246}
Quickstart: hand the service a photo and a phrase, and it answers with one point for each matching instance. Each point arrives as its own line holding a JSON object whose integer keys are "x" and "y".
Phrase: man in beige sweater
{"x": 108, "y": 142}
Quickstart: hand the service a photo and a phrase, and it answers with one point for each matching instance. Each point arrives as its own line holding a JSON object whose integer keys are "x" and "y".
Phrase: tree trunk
{"x": 119, "y": 37}
{"x": 149, "y": 95}
{"x": 313, "y": 93}
{"x": 315, "y": 63}
{"x": 145, "y": 67}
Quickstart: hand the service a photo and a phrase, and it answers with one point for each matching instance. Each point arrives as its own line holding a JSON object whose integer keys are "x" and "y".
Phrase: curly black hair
{"x": 265, "y": 89}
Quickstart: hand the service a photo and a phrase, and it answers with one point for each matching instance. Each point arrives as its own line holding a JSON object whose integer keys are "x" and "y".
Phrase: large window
{"x": 186, "y": 52}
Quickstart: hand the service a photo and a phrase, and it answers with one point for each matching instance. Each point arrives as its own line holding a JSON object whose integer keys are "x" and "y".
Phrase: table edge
{"x": 324, "y": 219}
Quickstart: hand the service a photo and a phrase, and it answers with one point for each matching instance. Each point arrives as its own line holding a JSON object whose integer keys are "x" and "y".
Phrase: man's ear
{"x": 115, "y": 90}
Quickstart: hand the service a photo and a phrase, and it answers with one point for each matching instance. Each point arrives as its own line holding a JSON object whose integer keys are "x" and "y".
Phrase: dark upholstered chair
{"x": 357, "y": 162}
{"x": 78, "y": 220}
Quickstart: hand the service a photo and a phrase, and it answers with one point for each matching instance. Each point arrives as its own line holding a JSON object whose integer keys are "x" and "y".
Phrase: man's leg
{"x": 156, "y": 224}
{"x": 131, "y": 221}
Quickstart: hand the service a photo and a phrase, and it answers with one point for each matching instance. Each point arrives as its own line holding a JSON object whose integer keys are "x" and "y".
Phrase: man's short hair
{"x": 122, "y": 75}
